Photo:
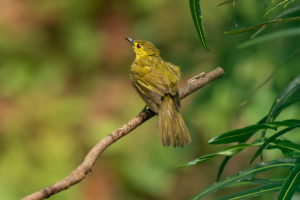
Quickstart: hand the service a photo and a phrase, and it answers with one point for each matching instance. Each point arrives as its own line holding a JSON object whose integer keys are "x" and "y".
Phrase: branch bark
{"x": 87, "y": 164}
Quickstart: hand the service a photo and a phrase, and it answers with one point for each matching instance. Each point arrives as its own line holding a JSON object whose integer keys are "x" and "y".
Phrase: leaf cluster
{"x": 267, "y": 133}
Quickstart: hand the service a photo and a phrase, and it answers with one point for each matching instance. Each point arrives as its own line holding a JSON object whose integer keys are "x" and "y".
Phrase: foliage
{"x": 197, "y": 18}
{"x": 266, "y": 134}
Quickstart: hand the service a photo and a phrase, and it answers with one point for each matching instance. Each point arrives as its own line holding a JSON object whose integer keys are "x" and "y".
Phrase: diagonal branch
{"x": 86, "y": 166}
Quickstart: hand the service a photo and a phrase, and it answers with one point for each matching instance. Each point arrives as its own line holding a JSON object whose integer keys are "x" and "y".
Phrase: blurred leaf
{"x": 228, "y": 151}
{"x": 243, "y": 134}
{"x": 294, "y": 54}
{"x": 287, "y": 97}
{"x": 275, "y": 35}
{"x": 282, "y": 14}
{"x": 197, "y": 18}
{"x": 272, "y": 138}
{"x": 290, "y": 185}
{"x": 276, "y": 21}
{"x": 283, "y": 2}
{"x": 244, "y": 175}
{"x": 287, "y": 4}
{"x": 224, "y": 2}
{"x": 253, "y": 192}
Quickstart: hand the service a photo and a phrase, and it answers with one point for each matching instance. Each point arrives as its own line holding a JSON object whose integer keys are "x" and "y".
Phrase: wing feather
{"x": 154, "y": 83}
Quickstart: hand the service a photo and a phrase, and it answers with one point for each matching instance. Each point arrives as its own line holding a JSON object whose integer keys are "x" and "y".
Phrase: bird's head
{"x": 143, "y": 48}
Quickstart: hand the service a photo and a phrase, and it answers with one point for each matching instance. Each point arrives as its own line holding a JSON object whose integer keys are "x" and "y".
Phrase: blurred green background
{"x": 64, "y": 84}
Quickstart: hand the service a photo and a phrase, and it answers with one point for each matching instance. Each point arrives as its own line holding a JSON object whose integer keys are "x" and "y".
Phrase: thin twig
{"x": 86, "y": 166}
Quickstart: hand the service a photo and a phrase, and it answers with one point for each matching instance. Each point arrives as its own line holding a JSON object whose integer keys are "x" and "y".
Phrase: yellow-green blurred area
{"x": 64, "y": 85}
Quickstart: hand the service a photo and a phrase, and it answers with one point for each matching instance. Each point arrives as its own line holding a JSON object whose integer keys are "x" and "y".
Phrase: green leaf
{"x": 282, "y": 14}
{"x": 234, "y": 149}
{"x": 239, "y": 135}
{"x": 289, "y": 96}
{"x": 282, "y": 146}
{"x": 222, "y": 166}
{"x": 198, "y": 160}
{"x": 228, "y": 151}
{"x": 283, "y": 3}
{"x": 244, "y": 175}
{"x": 272, "y": 138}
{"x": 243, "y": 134}
{"x": 272, "y": 36}
{"x": 224, "y": 2}
{"x": 267, "y": 181}
{"x": 197, "y": 18}
{"x": 253, "y": 192}
{"x": 276, "y": 21}
{"x": 289, "y": 58}
{"x": 286, "y": 146}
{"x": 290, "y": 185}
{"x": 288, "y": 122}
{"x": 257, "y": 181}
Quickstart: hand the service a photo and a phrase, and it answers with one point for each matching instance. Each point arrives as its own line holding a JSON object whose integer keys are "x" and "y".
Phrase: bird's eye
{"x": 138, "y": 46}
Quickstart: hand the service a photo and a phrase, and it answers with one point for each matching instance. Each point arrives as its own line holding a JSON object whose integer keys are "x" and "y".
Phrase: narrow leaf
{"x": 222, "y": 166}
{"x": 272, "y": 36}
{"x": 287, "y": 97}
{"x": 290, "y": 185}
{"x": 228, "y": 151}
{"x": 284, "y": 3}
{"x": 272, "y": 138}
{"x": 288, "y": 122}
{"x": 289, "y": 58}
{"x": 267, "y": 181}
{"x": 199, "y": 160}
{"x": 282, "y": 14}
{"x": 286, "y": 146}
{"x": 244, "y": 175}
{"x": 234, "y": 149}
{"x": 197, "y": 18}
{"x": 243, "y": 134}
{"x": 224, "y": 2}
{"x": 276, "y": 21}
{"x": 253, "y": 192}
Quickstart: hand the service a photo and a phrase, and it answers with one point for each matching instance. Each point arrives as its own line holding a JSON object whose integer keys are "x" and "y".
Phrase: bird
{"x": 155, "y": 80}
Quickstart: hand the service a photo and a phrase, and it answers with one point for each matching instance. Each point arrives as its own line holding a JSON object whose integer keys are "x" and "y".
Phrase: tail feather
{"x": 171, "y": 124}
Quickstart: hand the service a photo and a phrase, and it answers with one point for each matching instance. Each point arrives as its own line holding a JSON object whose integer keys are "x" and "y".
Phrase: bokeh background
{"x": 64, "y": 84}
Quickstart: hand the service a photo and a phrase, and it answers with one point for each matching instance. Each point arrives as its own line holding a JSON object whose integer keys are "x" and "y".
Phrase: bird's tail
{"x": 171, "y": 124}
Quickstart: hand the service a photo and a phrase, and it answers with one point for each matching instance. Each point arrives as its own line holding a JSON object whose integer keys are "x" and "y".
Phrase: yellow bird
{"x": 156, "y": 82}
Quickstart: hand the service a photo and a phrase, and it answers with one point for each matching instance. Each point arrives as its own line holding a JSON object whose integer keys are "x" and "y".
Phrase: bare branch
{"x": 86, "y": 166}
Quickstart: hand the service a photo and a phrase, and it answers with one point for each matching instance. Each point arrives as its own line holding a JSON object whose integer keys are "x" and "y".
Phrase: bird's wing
{"x": 172, "y": 74}
{"x": 154, "y": 82}
{"x": 151, "y": 85}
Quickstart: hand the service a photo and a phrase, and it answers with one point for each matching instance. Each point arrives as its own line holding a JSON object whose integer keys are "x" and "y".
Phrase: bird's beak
{"x": 130, "y": 40}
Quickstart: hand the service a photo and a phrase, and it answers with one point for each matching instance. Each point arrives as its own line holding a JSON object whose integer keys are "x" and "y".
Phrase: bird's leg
{"x": 147, "y": 110}
{"x": 144, "y": 109}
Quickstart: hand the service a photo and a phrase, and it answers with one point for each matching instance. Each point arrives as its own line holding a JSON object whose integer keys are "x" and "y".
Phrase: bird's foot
{"x": 147, "y": 110}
